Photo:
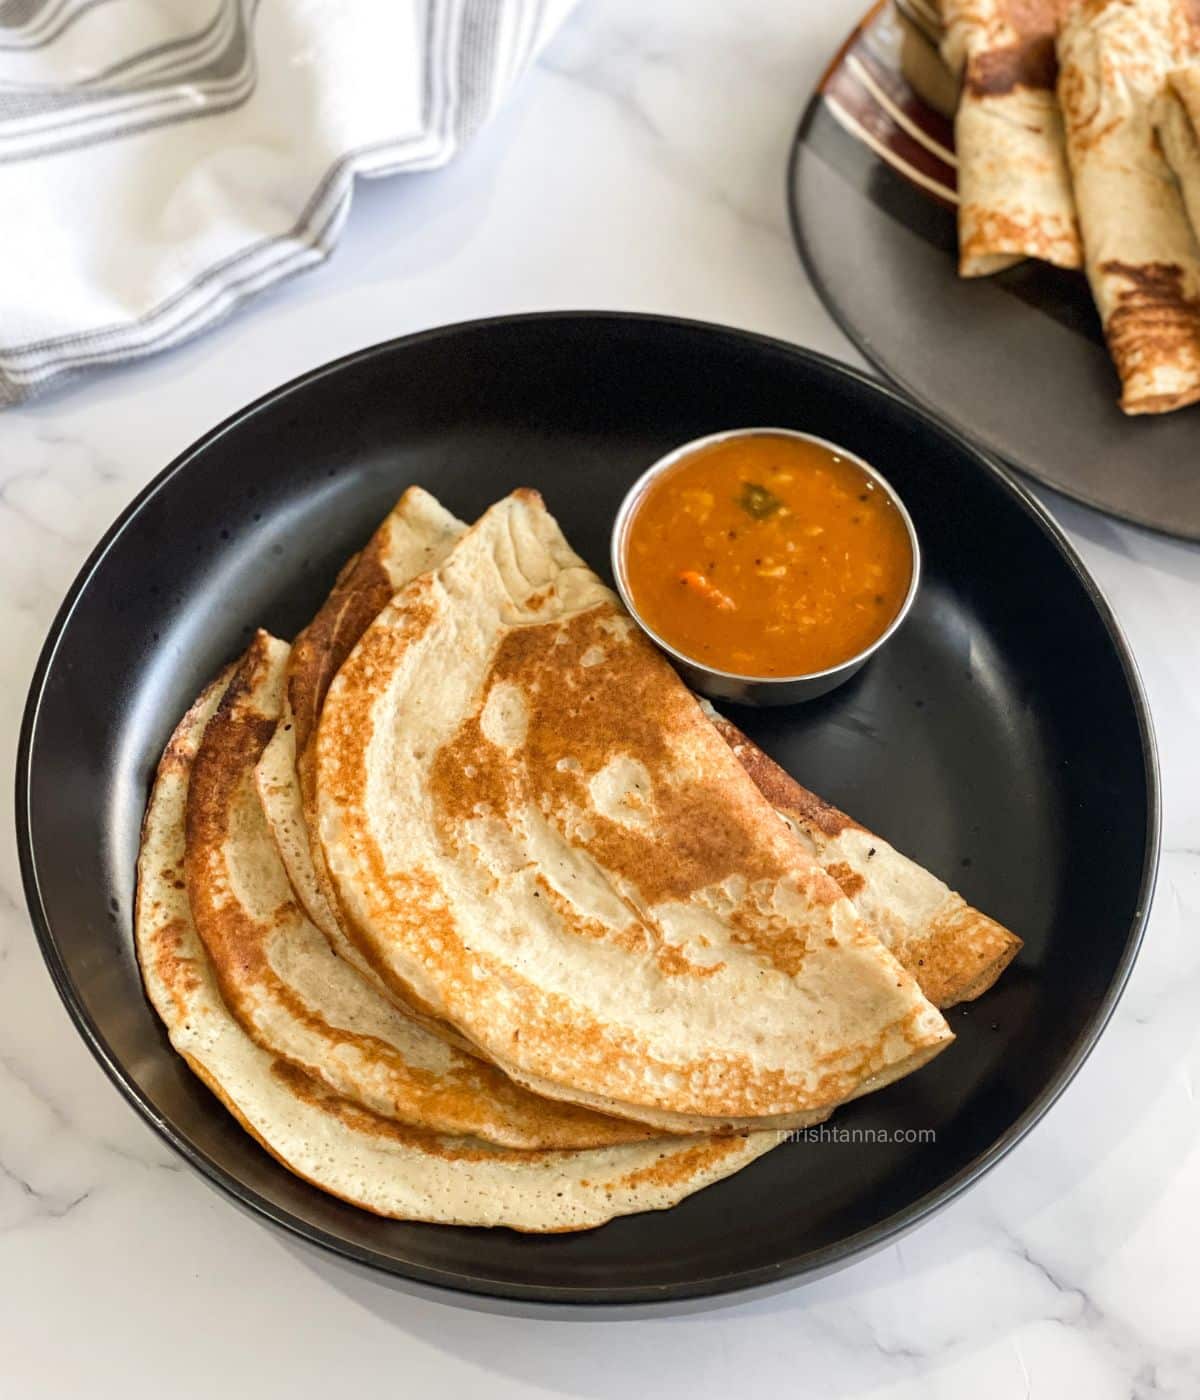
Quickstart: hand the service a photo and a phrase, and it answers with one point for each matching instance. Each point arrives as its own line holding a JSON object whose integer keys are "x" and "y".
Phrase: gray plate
{"x": 1017, "y": 361}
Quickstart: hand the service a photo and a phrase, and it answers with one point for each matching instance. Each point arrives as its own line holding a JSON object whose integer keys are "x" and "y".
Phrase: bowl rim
{"x": 568, "y": 1300}
{"x": 623, "y": 523}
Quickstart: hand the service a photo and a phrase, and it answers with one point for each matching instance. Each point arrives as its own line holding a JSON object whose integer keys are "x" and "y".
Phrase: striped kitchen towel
{"x": 162, "y": 160}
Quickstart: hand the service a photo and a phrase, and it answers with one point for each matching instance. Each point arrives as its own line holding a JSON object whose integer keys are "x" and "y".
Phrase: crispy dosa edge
{"x": 363, "y": 586}
{"x": 957, "y": 957}
{"x": 360, "y": 594}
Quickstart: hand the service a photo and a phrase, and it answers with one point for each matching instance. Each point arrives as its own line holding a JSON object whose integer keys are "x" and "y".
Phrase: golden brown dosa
{"x": 1015, "y": 198}
{"x": 345, "y": 1150}
{"x": 288, "y": 990}
{"x": 527, "y": 817}
{"x": 954, "y": 955}
{"x": 1143, "y": 260}
{"x": 955, "y": 952}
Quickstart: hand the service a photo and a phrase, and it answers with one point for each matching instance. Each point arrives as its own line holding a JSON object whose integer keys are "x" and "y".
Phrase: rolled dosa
{"x": 1143, "y": 260}
{"x": 1178, "y": 124}
{"x": 1014, "y": 186}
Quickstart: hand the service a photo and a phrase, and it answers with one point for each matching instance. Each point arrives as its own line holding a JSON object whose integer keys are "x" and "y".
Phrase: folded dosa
{"x": 348, "y": 1151}
{"x": 1178, "y": 122}
{"x": 1143, "y": 261}
{"x": 287, "y": 989}
{"x": 416, "y": 534}
{"x": 955, "y": 952}
{"x": 1014, "y": 186}
{"x": 526, "y": 816}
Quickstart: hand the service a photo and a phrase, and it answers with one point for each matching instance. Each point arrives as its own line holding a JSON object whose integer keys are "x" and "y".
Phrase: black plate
{"x": 1001, "y": 739}
{"x": 1016, "y": 361}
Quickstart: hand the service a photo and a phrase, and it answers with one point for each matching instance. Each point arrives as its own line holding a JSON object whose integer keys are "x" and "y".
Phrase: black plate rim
{"x": 863, "y": 344}
{"x": 619, "y": 1300}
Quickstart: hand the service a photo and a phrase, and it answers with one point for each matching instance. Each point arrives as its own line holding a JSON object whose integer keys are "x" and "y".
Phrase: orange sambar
{"x": 767, "y": 555}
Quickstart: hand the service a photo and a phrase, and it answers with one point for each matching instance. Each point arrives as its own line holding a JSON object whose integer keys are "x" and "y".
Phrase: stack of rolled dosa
{"x": 1077, "y": 140}
{"x": 470, "y": 912}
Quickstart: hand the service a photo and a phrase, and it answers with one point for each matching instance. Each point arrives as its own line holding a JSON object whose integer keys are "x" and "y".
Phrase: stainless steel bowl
{"x": 756, "y": 690}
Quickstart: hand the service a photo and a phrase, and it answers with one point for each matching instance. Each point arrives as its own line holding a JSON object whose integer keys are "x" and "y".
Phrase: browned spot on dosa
{"x": 987, "y": 231}
{"x": 175, "y": 970}
{"x": 851, "y": 881}
{"x": 571, "y": 713}
{"x": 674, "y": 1168}
{"x": 1031, "y": 63}
{"x": 362, "y": 1120}
{"x": 1155, "y": 322}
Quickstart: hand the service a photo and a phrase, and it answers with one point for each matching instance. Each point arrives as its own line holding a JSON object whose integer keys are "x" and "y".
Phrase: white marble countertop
{"x": 640, "y": 167}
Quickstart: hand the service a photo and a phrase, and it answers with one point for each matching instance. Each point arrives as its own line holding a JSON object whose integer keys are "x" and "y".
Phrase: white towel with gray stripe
{"x": 162, "y": 160}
